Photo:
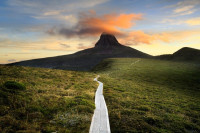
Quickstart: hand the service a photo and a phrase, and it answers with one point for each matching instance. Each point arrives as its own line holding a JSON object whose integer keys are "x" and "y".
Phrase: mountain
{"x": 184, "y": 54}
{"x": 107, "y": 41}
{"x": 106, "y": 47}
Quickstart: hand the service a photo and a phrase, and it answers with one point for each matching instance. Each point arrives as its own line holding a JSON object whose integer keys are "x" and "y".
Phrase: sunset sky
{"x": 42, "y": 28}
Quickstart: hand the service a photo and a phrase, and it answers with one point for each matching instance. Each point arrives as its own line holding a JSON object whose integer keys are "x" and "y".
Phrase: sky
{"x": 32, "y": 29}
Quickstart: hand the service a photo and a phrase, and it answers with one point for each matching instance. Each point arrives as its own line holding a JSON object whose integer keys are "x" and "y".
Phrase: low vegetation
{"x": 45, "y": 100}
{"x": 142, "y": 95}
{"x": 146, "y": 95}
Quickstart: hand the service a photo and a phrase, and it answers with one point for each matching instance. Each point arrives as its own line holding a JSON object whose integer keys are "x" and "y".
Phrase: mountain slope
{"x": 106, "y": 47}
{"x": 184, "y": 54}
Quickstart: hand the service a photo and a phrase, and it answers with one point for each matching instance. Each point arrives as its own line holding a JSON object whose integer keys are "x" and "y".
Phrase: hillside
{"x": 34, "y": 100}
{"x": 106, "y": 47}
{"x": 184, "y": 54}
{"x": 146, "y": 95}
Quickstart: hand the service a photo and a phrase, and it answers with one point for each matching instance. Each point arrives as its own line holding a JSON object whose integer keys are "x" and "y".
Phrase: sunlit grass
{"x": 54, "y": 100}
{"x": 151, "y": 95}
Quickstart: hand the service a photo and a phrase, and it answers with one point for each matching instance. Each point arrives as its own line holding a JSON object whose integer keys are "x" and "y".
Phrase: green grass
{"x": 151, "y": 95}
{"x": 147, "y": 96}
{"x": 45, "y": 100}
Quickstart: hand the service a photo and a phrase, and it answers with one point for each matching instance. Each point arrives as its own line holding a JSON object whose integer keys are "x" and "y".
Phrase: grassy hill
{"x": 185, "y": 54}
{"x": 45, "y": 100}
{"x": 146, "y": 95}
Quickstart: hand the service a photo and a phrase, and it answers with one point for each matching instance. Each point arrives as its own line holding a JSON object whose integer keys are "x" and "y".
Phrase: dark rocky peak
{"x": 107, "y": 41}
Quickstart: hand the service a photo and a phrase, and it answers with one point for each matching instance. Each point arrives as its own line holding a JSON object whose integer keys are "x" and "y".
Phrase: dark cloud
{"x": 89, "y": 31}
{"x": 12, "y": 60}
{"x": 65, "y": 45}
{"x": 91, "y": 24}
{"x": 82, "y": 46}
{"x": 51, "y": 31}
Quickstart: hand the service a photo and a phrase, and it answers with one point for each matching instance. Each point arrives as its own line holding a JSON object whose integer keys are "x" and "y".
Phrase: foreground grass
{"x": 48, "y": 100}
{"x": 151, "y": 95}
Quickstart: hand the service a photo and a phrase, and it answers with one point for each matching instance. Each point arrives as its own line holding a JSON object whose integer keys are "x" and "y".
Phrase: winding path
{"x": 100, "y": 120}
{"x": 135, "y": 62}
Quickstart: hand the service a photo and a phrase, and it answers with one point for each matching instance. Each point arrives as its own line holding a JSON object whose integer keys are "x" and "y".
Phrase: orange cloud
{"x": 139, "y": 37}
{"x": 110, "y": 22}
{"x": 90, "y": 24}
{"x": 93, "y": 25}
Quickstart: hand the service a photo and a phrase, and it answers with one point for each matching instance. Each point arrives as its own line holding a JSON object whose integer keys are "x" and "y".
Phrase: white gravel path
{"x": 100, "y": 120}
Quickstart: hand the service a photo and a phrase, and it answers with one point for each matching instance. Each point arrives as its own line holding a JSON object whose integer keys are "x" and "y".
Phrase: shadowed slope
{"x": 184, "y": 54}
{"x": 106, "y": 47}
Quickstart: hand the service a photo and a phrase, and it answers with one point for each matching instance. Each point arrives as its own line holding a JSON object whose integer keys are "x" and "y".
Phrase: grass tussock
{"x": 45, "y": 100}
{"x": 151, "y": 95}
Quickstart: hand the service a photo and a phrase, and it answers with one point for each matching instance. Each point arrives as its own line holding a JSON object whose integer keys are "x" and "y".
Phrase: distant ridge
{"x": 184, "y": 54}
{"x": 106, "y": 47}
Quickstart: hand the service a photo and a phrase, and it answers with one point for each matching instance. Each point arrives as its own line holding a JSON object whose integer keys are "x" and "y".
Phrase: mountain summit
{"x": 106, "y": 47}
{"x": 107, "y": 41}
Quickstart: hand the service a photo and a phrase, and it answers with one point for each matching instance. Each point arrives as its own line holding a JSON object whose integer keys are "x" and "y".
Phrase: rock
{"x": 107, "y": 41}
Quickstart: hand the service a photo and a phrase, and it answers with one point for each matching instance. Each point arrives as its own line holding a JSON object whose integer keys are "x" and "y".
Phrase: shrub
{"x": 143, "y": 108}
{"x": 152, "y": 120}
{"x": 84, "y": 109}
{"x": 13, "y": 86}
{"x": 3, "y": 94}
{"x": 79, "y": 100}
